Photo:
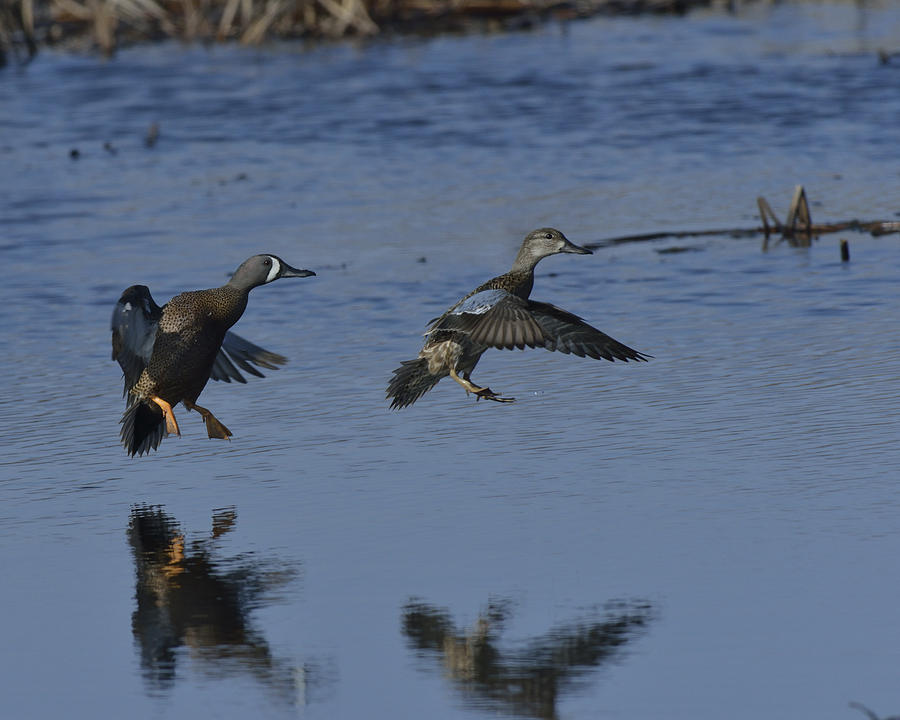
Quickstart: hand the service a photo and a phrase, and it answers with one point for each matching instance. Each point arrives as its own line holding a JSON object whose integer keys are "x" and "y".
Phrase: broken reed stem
{"x": 227, "y": 19}
{"x": 351, "y": 14}
{"x": 798, "y": 228}
{"x": 28, "y": 18}
{"x": 256, "y": 31}
{"x": 798, "y": 219}
{"x": 105, "y": 22}
{"x": 765, "y": 214}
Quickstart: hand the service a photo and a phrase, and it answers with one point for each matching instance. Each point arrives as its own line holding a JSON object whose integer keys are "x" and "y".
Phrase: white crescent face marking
{"x": 276, "y": 268}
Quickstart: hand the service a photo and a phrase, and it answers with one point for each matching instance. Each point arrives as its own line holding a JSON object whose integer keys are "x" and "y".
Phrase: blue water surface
{"x": 710, "y": 534}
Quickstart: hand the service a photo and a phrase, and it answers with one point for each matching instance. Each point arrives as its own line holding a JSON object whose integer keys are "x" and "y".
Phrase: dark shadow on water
{"x": 527, "y": 680}
{"x": 190, "y": 599}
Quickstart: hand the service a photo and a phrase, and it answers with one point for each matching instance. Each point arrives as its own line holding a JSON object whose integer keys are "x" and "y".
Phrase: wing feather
{"x": 568, "y": 333}
{"x": 497, "y": 318}
{"x": 237, "y": 351}
{"x": 134, "y": 321}
{"x": 494, "y": 318}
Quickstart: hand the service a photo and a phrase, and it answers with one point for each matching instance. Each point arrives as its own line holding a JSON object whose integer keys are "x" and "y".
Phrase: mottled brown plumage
{"x": 500, "y": 314}
{"x": 168, "y": 354}
{"x": 191, "y": 330}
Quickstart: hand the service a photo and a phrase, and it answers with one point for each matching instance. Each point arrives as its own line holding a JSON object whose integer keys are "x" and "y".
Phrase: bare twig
{"x": 257, "y": 30}
{"x": 105, "y": 23}
{"x": 227, "y": 19}
{"x": 798, "y": 219}
{"x": 766, "y": 214}
{"x": 350, "y": 14}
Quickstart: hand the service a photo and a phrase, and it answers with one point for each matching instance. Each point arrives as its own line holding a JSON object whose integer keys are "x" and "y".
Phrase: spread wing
{"x": 134, "y": 322}
{"x": 568, "y": 333}
{"x": 495, "y": 318}
{"x": 236, "y": 351}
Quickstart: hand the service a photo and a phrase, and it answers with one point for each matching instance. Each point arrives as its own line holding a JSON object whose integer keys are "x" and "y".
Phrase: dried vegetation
{"x": 104, "y": 25}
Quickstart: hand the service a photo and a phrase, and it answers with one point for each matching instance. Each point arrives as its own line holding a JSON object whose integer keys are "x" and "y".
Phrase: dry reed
{"x": 105, "y": 25}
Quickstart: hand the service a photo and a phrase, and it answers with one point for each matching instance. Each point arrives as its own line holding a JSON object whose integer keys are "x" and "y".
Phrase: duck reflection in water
{"x": 186, "y": 598}
{"x": 526, "y": 681}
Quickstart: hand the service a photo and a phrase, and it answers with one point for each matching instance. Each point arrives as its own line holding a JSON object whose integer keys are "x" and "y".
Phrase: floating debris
{"x": 871, "y": 715}
{"x": 798, "y": 229}
{"x": 885, "y": 57}
{"x": 676, "y": 249}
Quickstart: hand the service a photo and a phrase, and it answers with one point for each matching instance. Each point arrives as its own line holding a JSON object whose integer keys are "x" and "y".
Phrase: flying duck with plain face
{"x": 499, "y": 314}
{"x": 167, "y": 354}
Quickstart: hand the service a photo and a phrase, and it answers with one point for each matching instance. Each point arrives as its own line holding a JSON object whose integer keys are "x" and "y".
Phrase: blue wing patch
{"x": 480, "y": 302}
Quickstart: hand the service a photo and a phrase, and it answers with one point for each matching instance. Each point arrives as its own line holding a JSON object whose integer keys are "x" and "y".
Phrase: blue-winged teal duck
{"x": 169, "y": 353}
{"x": 499, "y": 314}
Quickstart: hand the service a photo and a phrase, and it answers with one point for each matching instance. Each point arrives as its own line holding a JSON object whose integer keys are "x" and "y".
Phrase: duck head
{"x": 262, "y": 269}
{"x": 542, "y": 242}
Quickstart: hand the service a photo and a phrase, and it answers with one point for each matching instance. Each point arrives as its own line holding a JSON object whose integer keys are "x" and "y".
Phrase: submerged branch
{"x": 798, "y": 229}
{"x": 874, "y": 228}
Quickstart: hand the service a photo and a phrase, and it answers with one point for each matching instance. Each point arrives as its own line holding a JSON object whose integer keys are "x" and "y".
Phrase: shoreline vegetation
{"x": 103, "y": 26}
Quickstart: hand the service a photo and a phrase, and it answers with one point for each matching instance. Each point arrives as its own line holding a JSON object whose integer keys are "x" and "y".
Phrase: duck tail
{"x": 143, "y": 428}
{"x": 410, "y": 382}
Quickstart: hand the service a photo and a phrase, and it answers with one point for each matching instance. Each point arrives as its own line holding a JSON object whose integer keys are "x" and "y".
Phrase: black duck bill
{"x": 288, "y": 272}
{"x": 571, "y": 247}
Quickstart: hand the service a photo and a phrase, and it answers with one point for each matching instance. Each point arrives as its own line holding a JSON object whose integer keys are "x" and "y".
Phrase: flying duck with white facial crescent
{"x": 168, "y": 353}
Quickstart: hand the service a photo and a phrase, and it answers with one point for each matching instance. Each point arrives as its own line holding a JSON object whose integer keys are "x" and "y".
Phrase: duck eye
{"x": 549, "y": 236}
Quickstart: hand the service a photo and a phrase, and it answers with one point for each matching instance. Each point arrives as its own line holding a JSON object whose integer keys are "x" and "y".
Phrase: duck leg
{"x": 480, "y": 392}
{"x": 175, "y": 557}
{"x": 171, "y": 422}
{"x": 214, "y": 428}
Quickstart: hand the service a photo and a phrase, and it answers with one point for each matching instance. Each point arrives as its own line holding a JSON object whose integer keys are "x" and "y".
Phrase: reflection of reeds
{"x": 106, "y": 24}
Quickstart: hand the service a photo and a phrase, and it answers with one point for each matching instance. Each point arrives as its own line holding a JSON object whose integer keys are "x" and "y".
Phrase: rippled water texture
{"x": 710, "y": 534}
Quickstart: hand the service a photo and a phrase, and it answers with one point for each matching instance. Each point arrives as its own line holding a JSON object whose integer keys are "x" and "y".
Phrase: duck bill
{"x": 288, "y": 271}
{"x": 571, "y": 247}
